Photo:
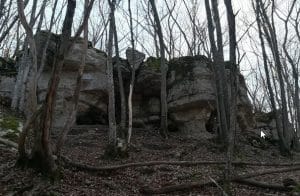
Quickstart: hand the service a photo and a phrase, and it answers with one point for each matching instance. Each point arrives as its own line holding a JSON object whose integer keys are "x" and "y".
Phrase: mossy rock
{"x": 153, "y": 63}
{"x": 184, "y": 66}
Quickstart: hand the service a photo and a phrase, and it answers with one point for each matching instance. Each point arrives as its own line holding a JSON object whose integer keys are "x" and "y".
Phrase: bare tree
{"x": 219, "y": 68}
{"x": 32, "y": 99}
{"x": 120, "y": 77}
{"x": 295, "y": 72}
{"x": 41, "y": 154}
{"x": 112, "y": 135}
{"x": 233, "y": 87}
{"x": 264, "y": 25}
{"x": 75, "y": 98}
{"x": 163, "y": 70}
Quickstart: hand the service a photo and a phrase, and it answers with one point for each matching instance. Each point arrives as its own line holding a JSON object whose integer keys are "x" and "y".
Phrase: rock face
{"x": 191, "y": 97}
{"x": 190, "y": 90}
{"x": 7, "y": 80}
{"x": 146, "y": 97}
{"x": 266, "y": 124}
{"x": 93, "y": 96}
{"x": 7, "y": 84}
{"x": 191, "y": 94}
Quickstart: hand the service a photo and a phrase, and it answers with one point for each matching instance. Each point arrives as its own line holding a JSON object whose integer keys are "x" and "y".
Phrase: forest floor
{"x": 86, "y": 146}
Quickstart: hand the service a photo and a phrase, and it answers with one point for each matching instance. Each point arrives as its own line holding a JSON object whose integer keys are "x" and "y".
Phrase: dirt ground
{"x": 86, "y": 146}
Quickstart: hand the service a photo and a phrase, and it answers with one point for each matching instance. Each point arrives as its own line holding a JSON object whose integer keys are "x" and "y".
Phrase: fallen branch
{"x": 84, "y": 167}
{"x": 237, "y": 179}
{"x": 219, "y": 186}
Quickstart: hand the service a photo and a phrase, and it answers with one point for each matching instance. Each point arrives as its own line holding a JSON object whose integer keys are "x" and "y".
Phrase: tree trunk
{"x": 296, "y": 144}
{"x": 26, "y": 96}
{"x": 112, "y": 135}
{"x": 120, "y": 79}
{"x": 41, "y": 156}
{"x": 131, "y": 87}
{"x": 73, "y": 111}
{"x": 233, "y": 87}
{"x": 282, "y": 144}
{"x": 163, "y": 70}
{"x": 223, "y": 104}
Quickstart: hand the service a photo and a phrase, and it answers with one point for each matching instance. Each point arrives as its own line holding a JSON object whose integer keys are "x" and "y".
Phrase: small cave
{"x": 93, "y": 116}
{"x": 211, "y": 124}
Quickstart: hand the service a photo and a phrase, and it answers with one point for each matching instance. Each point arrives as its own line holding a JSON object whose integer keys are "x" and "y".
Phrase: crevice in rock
{"x": 211, "y": 123}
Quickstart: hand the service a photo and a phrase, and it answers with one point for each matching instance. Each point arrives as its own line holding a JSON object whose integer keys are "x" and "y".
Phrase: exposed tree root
{"x": 84, "y": 167}
{"x": 264, "y": 185}
{"x": 237, "y": 179}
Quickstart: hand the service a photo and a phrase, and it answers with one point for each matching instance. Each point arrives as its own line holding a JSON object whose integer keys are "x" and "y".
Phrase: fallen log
{"x": 85, "y": 167}
{"x": 237, "y": 179}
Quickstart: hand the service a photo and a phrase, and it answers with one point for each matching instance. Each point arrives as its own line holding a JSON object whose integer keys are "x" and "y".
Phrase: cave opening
{"x": 211, "y": 124}
{"x": 92, "y": 116}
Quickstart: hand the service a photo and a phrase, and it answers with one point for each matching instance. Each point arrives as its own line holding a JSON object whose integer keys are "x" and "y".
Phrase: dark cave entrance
{"x": 211, "y": 124}
{"x": 93, "y": 116}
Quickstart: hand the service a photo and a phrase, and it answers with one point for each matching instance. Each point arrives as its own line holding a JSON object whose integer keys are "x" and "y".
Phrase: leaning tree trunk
{"x": 24, "y": 96}
{"x": 41, "y": 155}
{"x": 43, "y": 151}
{"x": 75, "y": 98}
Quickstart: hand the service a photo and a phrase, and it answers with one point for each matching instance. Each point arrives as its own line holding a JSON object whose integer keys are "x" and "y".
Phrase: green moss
{"x": 296, "y": 189}
{"x": 9, "y": 122}
{"x": 153, "y": 63}
{"x": 10, "y": 126}
{"x": 12, "y": 136}
{"x": 183, "y": 67}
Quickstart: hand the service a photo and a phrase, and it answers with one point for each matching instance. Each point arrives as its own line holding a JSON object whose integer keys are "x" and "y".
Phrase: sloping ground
{"x": 87, "y": 147}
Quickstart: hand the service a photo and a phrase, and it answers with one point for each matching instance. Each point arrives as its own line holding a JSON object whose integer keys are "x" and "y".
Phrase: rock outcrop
{"x": 190, "y": 90}
{"x": 93, "y": 97}
{"x": 192, "y": 95}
